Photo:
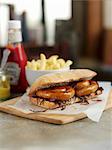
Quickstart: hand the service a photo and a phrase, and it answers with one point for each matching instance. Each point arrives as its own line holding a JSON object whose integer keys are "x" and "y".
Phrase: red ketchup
{"x": 17, "y": 59}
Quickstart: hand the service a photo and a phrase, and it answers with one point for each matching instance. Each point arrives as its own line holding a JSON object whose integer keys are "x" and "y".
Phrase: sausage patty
{"x": 59, "y": 93}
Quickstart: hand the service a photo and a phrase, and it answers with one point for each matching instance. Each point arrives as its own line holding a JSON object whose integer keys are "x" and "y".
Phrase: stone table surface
{"x": 23, "y": 134}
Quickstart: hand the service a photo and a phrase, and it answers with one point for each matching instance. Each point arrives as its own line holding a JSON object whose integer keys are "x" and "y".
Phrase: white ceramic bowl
{"x": 32, "y": 75}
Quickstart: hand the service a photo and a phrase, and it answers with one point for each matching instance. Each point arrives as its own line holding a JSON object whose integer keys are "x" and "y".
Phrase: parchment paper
{"x": 93, "y": 110}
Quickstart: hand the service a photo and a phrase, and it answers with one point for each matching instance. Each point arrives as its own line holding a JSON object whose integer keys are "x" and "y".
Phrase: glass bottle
{"x": 4, "y": 86}
{"x": 17, "y": 59}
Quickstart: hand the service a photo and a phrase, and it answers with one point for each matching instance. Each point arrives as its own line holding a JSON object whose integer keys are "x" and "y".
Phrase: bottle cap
{"x": 14, "y": 24}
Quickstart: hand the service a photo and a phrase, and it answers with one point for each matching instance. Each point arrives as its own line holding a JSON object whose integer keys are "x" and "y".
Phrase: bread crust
{"x": 44, "y": 104}
{"x": 61, "y": 77}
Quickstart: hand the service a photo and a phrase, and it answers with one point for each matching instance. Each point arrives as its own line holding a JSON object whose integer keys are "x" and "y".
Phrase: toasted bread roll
{"x": 43, "y": 103}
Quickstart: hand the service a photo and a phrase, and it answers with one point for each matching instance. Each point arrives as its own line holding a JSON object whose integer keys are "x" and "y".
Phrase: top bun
{"x": 52, "y": 79}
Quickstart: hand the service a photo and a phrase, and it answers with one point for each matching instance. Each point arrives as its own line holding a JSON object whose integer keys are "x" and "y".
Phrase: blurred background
{"x": 80, "y": 30}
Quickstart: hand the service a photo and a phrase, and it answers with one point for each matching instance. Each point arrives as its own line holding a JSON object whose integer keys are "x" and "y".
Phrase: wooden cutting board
{"x": 50, "y": 118}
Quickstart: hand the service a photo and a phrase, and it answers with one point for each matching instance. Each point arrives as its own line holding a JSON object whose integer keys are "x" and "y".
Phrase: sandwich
{"x": 57, "y": 90}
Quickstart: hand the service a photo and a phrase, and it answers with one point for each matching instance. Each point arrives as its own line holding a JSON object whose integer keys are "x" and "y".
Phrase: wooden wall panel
{"x": 94, "y": 26}
{"x": 107, "y": 47}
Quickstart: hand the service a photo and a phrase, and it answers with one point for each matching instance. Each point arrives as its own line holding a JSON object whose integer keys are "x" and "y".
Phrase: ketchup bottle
{"x": 15, "y": 66}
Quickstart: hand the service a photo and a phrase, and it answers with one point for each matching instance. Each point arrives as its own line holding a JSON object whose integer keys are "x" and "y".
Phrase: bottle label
{"x": 13, "y": 70}
{"x": 14, "y": 36}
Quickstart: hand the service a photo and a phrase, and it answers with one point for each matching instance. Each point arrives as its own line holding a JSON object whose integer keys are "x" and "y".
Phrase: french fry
{"x": 28, "y": 65}
{"x": 61, "y": 62}
{"x": 43, "y": 62}
{"x": 34, "y": 66}
{"x": 56, "y": 66}
{"x": 53, "y": 57}
{"x": 52, "y": 63}
{"x": 42, "y": 57}
{"x": 68, "y": 63}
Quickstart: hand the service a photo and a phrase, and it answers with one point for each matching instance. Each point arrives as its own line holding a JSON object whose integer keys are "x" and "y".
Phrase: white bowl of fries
{"x": 42, "y": 66}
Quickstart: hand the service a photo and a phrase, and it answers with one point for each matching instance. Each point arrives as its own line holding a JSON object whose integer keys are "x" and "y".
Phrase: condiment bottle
{"x": 4, "y": 86}
{"x": 15, "y": 66}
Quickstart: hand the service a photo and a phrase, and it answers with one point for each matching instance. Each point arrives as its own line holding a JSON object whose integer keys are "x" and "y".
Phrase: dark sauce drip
{"x": 73, "y": 84}
{"x": 84, "y": 101}
{"x": 63, "y": 107}
{"x": 98, "y": 100}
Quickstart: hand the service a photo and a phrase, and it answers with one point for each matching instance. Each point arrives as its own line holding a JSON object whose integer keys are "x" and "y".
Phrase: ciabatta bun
{"x": 52, "y": 105}
{"x": 60, "y": 78}
{"x": 44, "y": 104}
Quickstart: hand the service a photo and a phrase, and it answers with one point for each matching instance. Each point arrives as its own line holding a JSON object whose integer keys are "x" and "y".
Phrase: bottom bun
{"x": 53, "y": 105}
{"x": 43, "y": 103}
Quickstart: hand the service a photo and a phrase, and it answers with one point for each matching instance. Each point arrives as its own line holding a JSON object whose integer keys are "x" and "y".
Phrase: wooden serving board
{"x": 50, "y": 118}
